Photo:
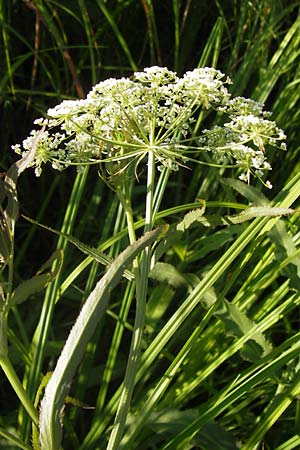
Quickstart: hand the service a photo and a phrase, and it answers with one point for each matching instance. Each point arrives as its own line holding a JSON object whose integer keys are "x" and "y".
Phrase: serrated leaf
{"x": 190, "y": 218}
{"x": 40, "y": 280}
{"x": 175, "y": 233}
{"x": 237, "y": 324}
{"x": 259, "y": 211}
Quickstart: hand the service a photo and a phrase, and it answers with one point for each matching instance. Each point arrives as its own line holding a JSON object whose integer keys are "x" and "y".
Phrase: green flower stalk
{"x": 148, "y": 120}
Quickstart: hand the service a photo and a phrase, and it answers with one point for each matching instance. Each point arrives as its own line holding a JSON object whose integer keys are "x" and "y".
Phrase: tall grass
{"x": 220, "y": 352}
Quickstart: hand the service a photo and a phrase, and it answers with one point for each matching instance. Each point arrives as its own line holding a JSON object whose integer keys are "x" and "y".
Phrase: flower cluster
{"x": 244, "y": 137}
{"x": 121, "y": 120}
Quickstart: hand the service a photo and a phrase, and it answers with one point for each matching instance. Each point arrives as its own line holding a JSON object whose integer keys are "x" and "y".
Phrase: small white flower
{"x": 268, "y": 184}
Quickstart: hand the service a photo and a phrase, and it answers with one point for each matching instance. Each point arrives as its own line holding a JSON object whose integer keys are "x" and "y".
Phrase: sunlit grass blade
{"x": 211, "y": 52}
{"x": 291, "y": 444}
{"x": 279, "y": 404}
{"x": 92, "y": 45}
{"x": 118, "y": 34}
{"x": 285, "y": 56}
{"x": 265, "y": 368}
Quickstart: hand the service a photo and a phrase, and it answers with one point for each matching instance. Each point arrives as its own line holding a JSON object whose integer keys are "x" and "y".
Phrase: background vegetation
{"x": 225, "y": 380}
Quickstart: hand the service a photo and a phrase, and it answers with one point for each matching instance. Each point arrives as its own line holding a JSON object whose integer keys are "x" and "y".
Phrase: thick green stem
{"x": 141, "y": 271}
{"x": 150, "y": 191}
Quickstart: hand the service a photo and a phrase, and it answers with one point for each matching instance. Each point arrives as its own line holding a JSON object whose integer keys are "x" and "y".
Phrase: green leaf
{"x": 91, "y": 313}
{"x": 175, "y": 233}
{"x": 40, "y": 280}
{"x": 259, "y": 211}
{"x": 237, "y": 324}
{"x": 190, "y": 218}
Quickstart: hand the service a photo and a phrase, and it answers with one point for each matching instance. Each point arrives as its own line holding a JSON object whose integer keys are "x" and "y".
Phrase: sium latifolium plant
{"x": 136, "y": 129}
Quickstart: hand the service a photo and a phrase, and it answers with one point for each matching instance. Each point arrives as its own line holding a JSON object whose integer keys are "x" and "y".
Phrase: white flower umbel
{"x": 121, "y": 120}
